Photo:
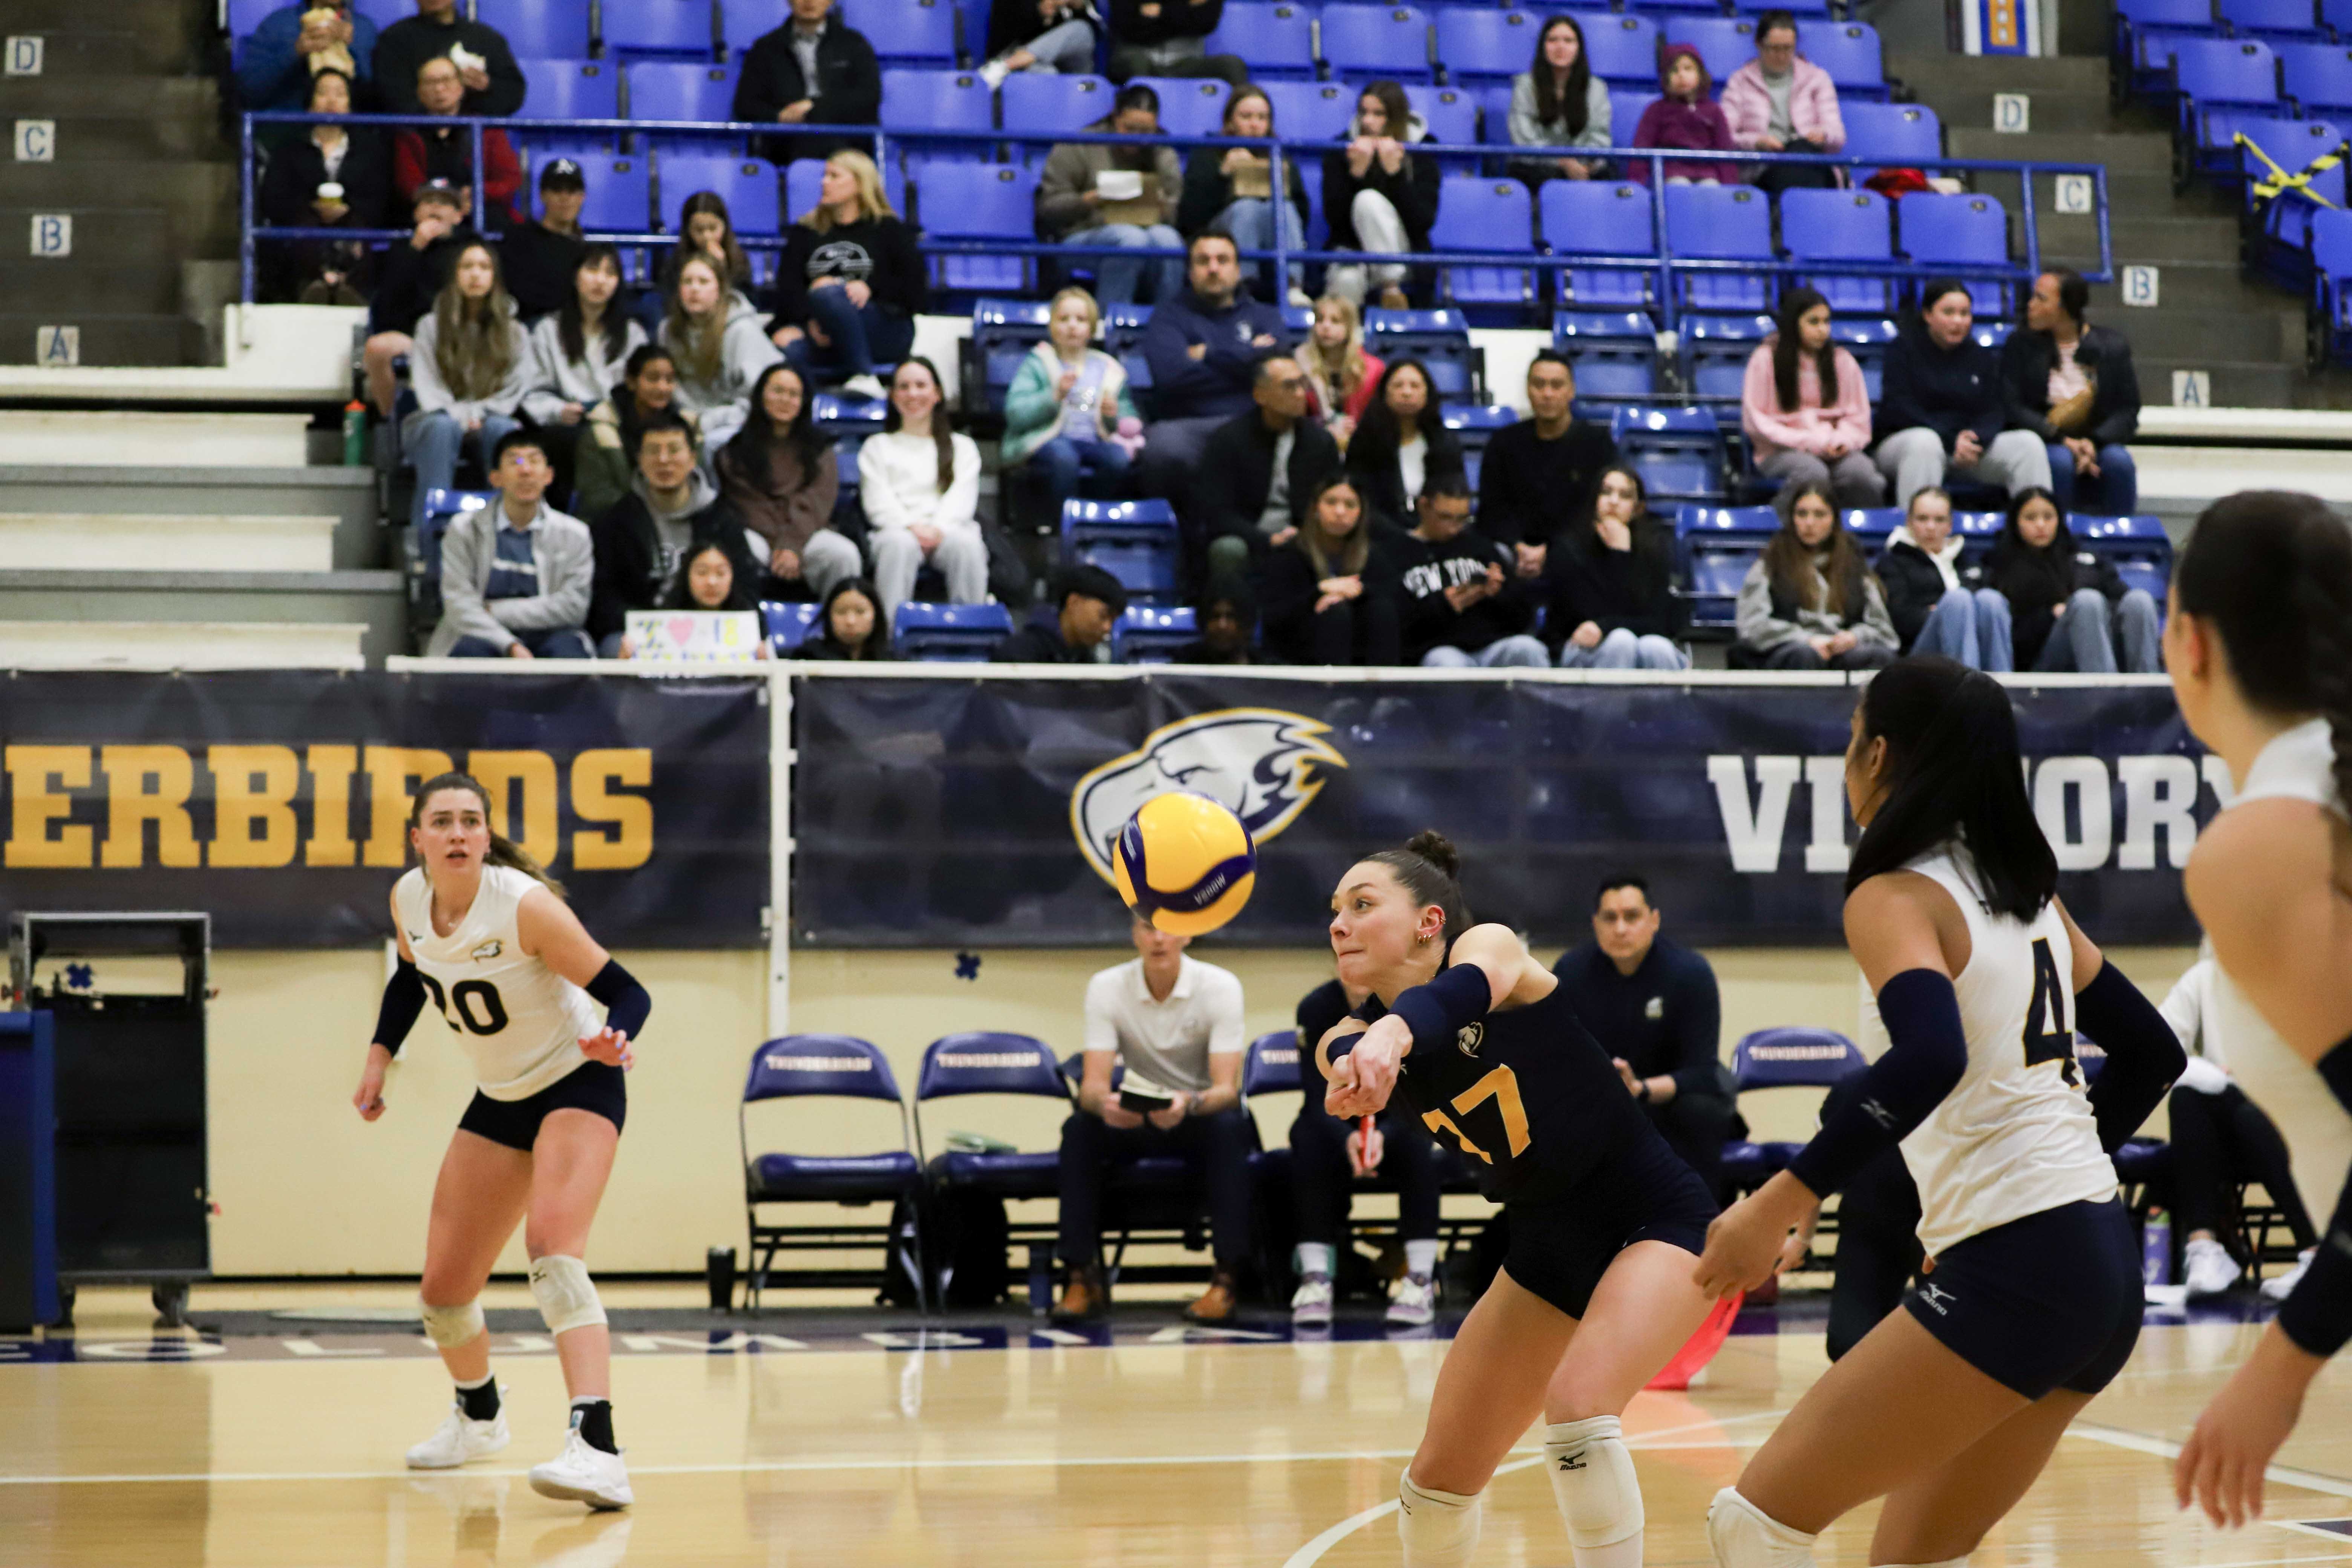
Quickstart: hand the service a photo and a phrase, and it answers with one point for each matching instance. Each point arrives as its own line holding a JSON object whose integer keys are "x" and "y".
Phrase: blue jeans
{"x": 1520, "y": 652}
{"x": 1062, "y": 468}
{"x": 434, "y": 441}
{"x": 1251, "y": 222}
{"x": 862, "y": 337}
{"x": 1624, "y": 649}
{"x": 1951, "y": 628}
{"x": 2088, "y": 639}
{"x": 1117, "y": 278}
{"x": 2115, "y": 493}
{"x": 552, "y": 642}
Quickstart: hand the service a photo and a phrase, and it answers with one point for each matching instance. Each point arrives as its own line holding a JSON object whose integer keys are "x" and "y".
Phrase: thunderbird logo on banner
{"x": 1261, "y": 763}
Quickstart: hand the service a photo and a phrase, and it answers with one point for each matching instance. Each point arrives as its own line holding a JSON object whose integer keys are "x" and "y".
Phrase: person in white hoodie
{"x": 720, "y": 348}
{"x": 578, "y": 355}
{"x": 919, "y": 483}
{"x": 1930, "y": 597}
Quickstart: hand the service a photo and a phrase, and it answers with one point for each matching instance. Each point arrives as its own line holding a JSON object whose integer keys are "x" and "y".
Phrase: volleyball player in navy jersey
{"x": 1974, "y": 981}
{"x": 1596, "y": 1294}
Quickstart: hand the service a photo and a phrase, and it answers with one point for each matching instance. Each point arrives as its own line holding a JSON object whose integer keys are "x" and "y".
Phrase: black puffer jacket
{"x": 2036, "y": 582}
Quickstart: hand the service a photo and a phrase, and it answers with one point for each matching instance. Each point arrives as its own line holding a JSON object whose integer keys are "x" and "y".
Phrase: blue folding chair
{"x": 1724, "y": 43}
{"x": 659, "y": 28}
{"x": 1715, "y": 352}
{"x": 787, "y": 622}
{"x": 801, "y": 1066}
{"x": 537, "y": 28}
{"x": 1714, "y": 548}
{"x": 1678, "y": 452}
{"x": 2273, "y": 21}
{"x": 2316, "y": 78}
{"x": 980, "y": 202}
{"x": 682, "y": 90}
{"x": 619, "y": 192}
{"x": 1276, "y": 41}
{"x": 949, "y": 633}
{"x": 1308, "y": 111}
{"x": 568, "y": 90}
{"x": 1587, "y": 217}
{"x": 1474, "y": 425}
{"x": 1439, "y": 339}
{"x": 1153, "y": 634}
{"x": 1485, "y": 214}
{"x": 1960, "y": 230}
{"x": 1869, "y": 342}
{"x": 1624, "y": 51}
{"x": 986, "y": 1062}
{"x": 1850, "y": 52}
{"x": 1190, "y": 106}
{"x": 1616, "y": 354}
{"x": 805, "y": 178}
{"x": 747, "y": 185}
{"x": 1841, "y": 225}
{"x": 1035, "y": 102}
{"x": 1721, "y": 223}
{"x": 1365, "y": 43}
{"x": 1136, "y": 542}
{"x": 1892, "y": 135}
{"x": 1788, "y": 1057}
{"x": 1480, "y": 47}
{"x": 916, "y": 33}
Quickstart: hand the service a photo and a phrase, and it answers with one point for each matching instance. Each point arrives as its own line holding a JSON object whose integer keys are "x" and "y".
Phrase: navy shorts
{"x": 593, "y": 1086}
{"x": 1560, "y": 1247}
{"x": 2044, "y": 1302}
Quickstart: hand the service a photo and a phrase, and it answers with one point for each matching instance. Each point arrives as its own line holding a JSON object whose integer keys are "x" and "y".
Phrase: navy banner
{"x": 278, "y": 800}
{"x": 962, "y": 812}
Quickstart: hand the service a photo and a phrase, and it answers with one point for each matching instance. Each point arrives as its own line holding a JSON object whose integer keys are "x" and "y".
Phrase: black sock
{"x": 592, "y": 1420}
{"x": 480, "y": 1402}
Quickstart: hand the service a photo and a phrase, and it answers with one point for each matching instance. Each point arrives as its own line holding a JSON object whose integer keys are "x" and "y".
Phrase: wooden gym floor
{"x": 1160, "y": 1448}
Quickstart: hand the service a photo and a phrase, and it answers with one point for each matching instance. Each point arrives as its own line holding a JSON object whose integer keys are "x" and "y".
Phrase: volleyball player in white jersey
{"x": 1976, "y": 980}
{"x": 2258, "y": 646}
{"x": 487, "y": 933}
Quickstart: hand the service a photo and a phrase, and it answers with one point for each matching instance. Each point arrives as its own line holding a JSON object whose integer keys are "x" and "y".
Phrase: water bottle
{"x": 355, "y": 452}
{"x": 2156, "y": 1248}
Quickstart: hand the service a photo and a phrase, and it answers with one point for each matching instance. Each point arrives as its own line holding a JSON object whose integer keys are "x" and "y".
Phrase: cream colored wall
{"x": 305, "y": 1187}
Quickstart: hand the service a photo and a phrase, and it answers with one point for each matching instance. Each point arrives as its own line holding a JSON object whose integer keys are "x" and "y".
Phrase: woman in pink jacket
{"x": 1779, "y": 103}
{"x": 1806, "y": 409}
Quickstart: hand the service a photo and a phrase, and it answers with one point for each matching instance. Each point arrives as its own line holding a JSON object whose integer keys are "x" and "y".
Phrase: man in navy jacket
{"x": 1203, "y": 347}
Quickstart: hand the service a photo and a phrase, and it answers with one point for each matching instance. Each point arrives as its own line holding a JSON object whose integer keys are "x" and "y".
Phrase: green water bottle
{"x": 355, "y": 452}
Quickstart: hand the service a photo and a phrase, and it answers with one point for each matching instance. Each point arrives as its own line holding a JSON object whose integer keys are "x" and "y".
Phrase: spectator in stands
{"x": 1654, "y": 1002}
{"x": 1174, "y": 1024}
{"x": 1465, "y": 606}
{"x": 1340, "y": 375}
{"x": 515, "y": 576}
{"x": 2073, "y": 386}
{"x": 470, "y": 368}
{"x": 1089, "y": 602}
{"x": 1259, "y": 469}
{"x": 1226, "y": 616}
{"x": 2051, "y": 606}
{"x": 1806, "y": 408}
{"x": 1540, "y": 476}
{"x": 605, "y": 460}
{"x": 706, "y": 582}
{"x": 1930, "y": 595}
{"x": 815, "y": 69}
{"x": 1331, "y": 594}
{"x": 1232, "y": 189}
{"x": 1044, "y": 35}
{"x": 331, "y": 178}
{"x": 446, "y": 152}
{"x": 1809, "y": 602}
{"x": 1098, "y": 193}
{"x": 780, "y": 479}
{"x": 1202, "y": 347}
{"x": 851, "y": 626}
{"x": 542, "y": 255}
{"x": 1069, "y": 422}
{"x": 851, "y": 281}
{"x": 643, "y": 542}
{"x": 1940, "y": 404}
{"x": 919, "y": 483}
{"x": 1685, "y": 116}
{"x": 491, "y": 81}
{"x": 1557, "y": 102}
{"x": 1402, "y": 446}
{"x": 720, "y": 348}
{"x": 1164, "y": 38}
{"x": 579, "y": 354}
{"x": 280, "y": 62}
{"x": 1610, "y": 583}
{"x": 413, "y": 276}
{"x": 1782, "y": 102}
{"x": 1379, "y": 198}
{"x": 706, "y": 229}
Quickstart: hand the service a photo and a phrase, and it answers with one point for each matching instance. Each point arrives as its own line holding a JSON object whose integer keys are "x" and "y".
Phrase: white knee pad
{"x": 1744, "y": 1536}
{"x": 1440, "y": 1529}
{"x": 449, "y": 1327}
{"x": 566, "y": 1298}
{"x": 1600, "y": 1498}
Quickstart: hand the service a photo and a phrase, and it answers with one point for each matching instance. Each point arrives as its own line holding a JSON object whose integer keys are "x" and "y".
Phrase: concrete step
{"x": 161, "y": 542}
{"x": 104, "y": 48}
{"x": 2199, "y": 285}
{"x": 2135, "y": 153}
{"x": 2159, "y": 239}
{"x": 55, "y": 97}
{"x": 1939, "y": 76}
{"x": 129, "y": 340}
{"x": 72, "y": 643}
{"x": 103, "y": 235}
{"x": 346, "y": 495}
{"x": 174, "y": 440}
{"x": 44, "y": 287}
{"x": 201, "y": 196}
{"x": 91, "y": 134}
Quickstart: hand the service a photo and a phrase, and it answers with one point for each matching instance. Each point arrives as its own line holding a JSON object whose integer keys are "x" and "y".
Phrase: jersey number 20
{"x": 2047, "y": 1038}
{"x": 472, "y": 1006}
{"x": 1502, "y": 1087}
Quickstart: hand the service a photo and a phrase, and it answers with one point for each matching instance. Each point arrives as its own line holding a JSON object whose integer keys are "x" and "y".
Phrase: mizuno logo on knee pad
{"x": 1572, "y": 1461}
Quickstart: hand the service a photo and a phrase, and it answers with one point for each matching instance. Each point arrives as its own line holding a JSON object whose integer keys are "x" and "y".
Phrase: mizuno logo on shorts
{"x": 1936, "y": 1296}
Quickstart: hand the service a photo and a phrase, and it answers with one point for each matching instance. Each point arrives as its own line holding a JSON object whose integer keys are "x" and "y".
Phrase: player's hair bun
{"x": 1437, "y": 849}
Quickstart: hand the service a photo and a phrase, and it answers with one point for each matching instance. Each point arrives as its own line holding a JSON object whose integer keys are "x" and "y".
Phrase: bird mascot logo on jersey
{"x": 1263, "y": 765}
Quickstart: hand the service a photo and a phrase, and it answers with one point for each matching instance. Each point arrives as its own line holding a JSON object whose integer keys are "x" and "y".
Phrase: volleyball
{"x": 1185, "y": 863}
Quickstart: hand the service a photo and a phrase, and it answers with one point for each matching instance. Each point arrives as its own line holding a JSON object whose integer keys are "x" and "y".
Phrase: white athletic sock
{"x": 1313, "y": 1258}
{"x": 1421, "y": 1257}
{"x": 1744, "y": 1536}
{"x": 1440, "y": 1529}
{"x": 1600, "y": 1498}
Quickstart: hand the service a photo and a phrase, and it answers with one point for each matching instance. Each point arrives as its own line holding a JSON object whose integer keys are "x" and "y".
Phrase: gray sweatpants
{"x": 1916, "y": 457}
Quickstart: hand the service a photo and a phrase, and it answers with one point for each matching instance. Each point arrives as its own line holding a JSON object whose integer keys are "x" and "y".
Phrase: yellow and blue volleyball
{"x": 1185, "y": 863}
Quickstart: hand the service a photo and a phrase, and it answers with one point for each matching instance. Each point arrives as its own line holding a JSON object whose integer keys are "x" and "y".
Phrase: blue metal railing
{"x": 1661, "y": 261}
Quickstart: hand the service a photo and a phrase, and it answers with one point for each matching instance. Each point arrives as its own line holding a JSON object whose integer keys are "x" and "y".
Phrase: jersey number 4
{"x": 1502, "y": 1087}
{"x": 2047, "y": 1038}
{"x": 472, "y": 1006}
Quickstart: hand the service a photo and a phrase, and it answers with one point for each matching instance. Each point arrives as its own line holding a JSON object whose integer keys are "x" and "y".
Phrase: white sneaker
{"x": 458, "y": 1440}
{"x": 1311, "y": 1303}
{"x": 2278, "y": 1289}
{"x": 863, "y": 386}
{"x": 994, "y": 73}
{"x": 1302, "y": 299}
{"x": 2210, "y": 1269}
{"x": 584, "y": 1474}
{"x": 1416, "y": 1300}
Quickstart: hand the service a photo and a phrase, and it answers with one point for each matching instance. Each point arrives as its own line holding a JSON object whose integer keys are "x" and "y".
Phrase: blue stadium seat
{"x": 1477, "y": 45}
{"x": 243, "y": 15}
{"x": 1850, "y": 52}
{"x": 683, "y": 90}
{"x": 1439, "y": 339}
{"x": 986, "y": 1062}
{"x": 1873, "y": 526}
{"x": 1725, "y": 43}
{"x": 2220, "y": 84}
{"x": 1678, "y": 452}
{"x": 1136, "y": 542}
{"x": 2273, "y": 21}
{"x": 568, "y": 90}
{"x": 1714, "y": 351}
{"x": 1723, "y": 223}
{"x": 2316, "y": 77}
{"x": 980, "y": 202}
{"x": 1152, "y": 634}
{"x": 1615, "y": 354}
{"x": 2138, "y": 547}
{"x": 1801, "y": 9}
{"x": 1452, "y": 115}
{"x": 619, "y": 192}
{"x": 804, "y": 177}
{"x": 914, "y": 102}
{"x": 1494, "y": 111}
{"x": 2146, "y": 31}
{"x": 1841, "y": 225}
{"x": 742, "y": 23}
{"x": 1365, "y": 43}
{"x": 1966, "y": 231}
{"x": 1624, "y": 51}
{"x": 1485, "y": 214}
{"x": 2336, "y": 16}
{"x": 1037, "y": 101}
{"x": 1669, "y": 8}
{"x": 950, "y": 634}
{"x": 671, "y": 27}
{"x": 1714, "y": 547}
{"x": 1892, "y": 135}
{"x": 2283, "y": 221}
{"x": 441, "y": 508}
{"x": 847, "y": 422}
{"x": 915, "y": 33}
{"x": 535, "y": 28}
{"x": 1191, "y": 106}
{"x": 787, "y": 622}
{"x": 1276, "y": 41}
{"x": 1474, "y": 425}
{"x": 1625, "y": 109}
{"x": 1004, "y": 331}
{"x": 1868, "y": 342}
{"x": 1587, "y": 217}
{"x": 1309, "y": 112}
{"x": 747, "y": 185}
{"x": 1122, "y": 338}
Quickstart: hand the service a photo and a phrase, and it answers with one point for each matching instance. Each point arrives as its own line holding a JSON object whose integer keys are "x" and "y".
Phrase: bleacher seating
{"x": 917, "y": 32}
{"x": 1616, "y": 354}
{"x": 1003, "y": 333}
{"x": 1365, "y": 43}
{"x": 1310, "y": 111}
{"x": 1841, "y": 225}
{"x": 1678, "y": 452}
{"x": 1192, "y": 106}
{"x": 1714, "y": 354}
{"x": 1474, "y": 425}
{"x": 2273, "y": 21}
{"x": 979, "y": 202}
{"x": 619, "y": 192}
{"x": 1895, "y": 135}
{"x": 1590, "y": 217}
{"x": 1452, "y": 115}
{"x": 1714, "y": 547}
{"x": 2316, "y": 77}
{"x": 2138, "y": 547}
{"x": 788, "y": 624}
{"x": 1624, "y": 52}
{"x": 1136, "y": 542}
{"x": 1485, "y": 214}
{"x": 1726, "y": 223}
{"x": 1152, "y": 634}
{"x": 1479, "y": 47}
{"x": 916, "y": 100}
{"x": 1276, "y": 41}
{"x": 1724, "y": 43}
{"x": 660, "y": 28}
{"x": 1850, "y": 52}
{"x": 1963, "y": 230}
{"x": 1038, "y": 102}
{"x": 747, "y": 185}
{"x": 539, "y": 28}
{"x": 1868, "y": 342}
{"x": 1439, "y": 339}
{"x": 805, "y": 179}
{"x": 568, "y": 90}
{"x": 955, "y": 634}
{"x": 681, "y": 91}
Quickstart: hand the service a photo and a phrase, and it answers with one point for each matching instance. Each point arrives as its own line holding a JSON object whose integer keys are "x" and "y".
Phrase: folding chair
{"x": 949, "y": 633}
{"x": 1792, "y": 1056}
{"x": 1152, "y": 634}
{"x": 1721, "y": 223}
{"x": 568, "y": 90}
{"x": 1136, "y": 542}
{"x": 985, "y": 1062}
{"x": 1841, "y": 225}
{"x": 1475, "y": 214}
{"x": 1590, "y": 217}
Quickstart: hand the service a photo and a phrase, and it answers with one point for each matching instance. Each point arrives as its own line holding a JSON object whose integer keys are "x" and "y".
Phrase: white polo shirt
{"x": 1170, "y": 1042}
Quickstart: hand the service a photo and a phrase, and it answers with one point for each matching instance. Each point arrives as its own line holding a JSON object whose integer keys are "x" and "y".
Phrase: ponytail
{"x": 504, "y": 851}
{"x": 1428, "y": 867}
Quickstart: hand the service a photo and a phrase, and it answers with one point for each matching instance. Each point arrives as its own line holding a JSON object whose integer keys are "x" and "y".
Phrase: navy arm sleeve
{"x": 403, "y": 999}
{"x": 1924, "y": 1062}
{"x": 1438, "y": 1011}
{"x": 2318, "y": 1316}
{"x": 2143, "y": 1056}
{"x": 625, "y": 1002}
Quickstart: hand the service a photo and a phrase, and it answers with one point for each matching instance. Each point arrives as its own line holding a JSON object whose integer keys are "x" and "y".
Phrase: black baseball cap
{"x": 563, "y": 175}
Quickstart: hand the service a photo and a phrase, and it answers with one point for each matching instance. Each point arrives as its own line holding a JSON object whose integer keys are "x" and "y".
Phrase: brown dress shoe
{"x": 1085, "y": 1298}
{"x": 1216, "y": 1303}
{"x": 1393, "y": 298}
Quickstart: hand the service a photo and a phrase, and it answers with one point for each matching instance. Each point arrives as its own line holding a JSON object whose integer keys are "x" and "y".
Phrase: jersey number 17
{"x": 2047, "y": 1038}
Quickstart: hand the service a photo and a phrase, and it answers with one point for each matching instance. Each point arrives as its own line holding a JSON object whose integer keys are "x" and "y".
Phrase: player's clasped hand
{"x": 2221, "y": 1469}
{"x": 610, "y": 1046}
{"x": 1362, "y": 1080}
{"x": 1746, "y": 1243}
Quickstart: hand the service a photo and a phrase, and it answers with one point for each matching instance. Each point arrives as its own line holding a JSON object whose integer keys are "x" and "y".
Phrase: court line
{"x": 2164, "y": 1447}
